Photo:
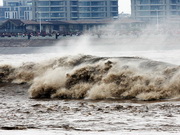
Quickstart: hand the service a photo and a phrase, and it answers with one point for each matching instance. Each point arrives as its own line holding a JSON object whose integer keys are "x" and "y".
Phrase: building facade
{"x": 16, "y": 9}
{"x": 155, "y": 10}
{"x": 122, "y": 26}
{"x": 51, "y": 10}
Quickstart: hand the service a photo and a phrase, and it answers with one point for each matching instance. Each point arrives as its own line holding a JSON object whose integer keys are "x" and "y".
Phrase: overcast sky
{"x": 124, "y": 6}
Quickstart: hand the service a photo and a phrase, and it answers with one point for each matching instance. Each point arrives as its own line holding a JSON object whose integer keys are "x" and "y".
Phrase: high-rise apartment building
{"x": 48, "y": 10}
{"x": 155, "y": 10}
{"x": 16, "y": 9}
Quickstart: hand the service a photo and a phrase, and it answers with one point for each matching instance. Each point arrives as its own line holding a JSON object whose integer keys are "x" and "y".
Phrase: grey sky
{"x": 124, "y": 6}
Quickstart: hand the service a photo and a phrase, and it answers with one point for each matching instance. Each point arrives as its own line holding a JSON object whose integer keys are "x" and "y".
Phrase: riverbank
{"x": 27, "y": 43}
{"x": 129, "y": 41}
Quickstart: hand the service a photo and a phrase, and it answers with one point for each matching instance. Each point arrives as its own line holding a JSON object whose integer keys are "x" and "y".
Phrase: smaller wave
{"x": 90, "y": 77}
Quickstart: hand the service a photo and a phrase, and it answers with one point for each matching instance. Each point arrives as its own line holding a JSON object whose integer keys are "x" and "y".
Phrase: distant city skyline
{"x": 124, "y": 6}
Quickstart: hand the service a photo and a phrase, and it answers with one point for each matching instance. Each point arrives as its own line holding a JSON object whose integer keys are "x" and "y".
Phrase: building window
{"x": 43, "y": 15}
{"x": 114, "y": 3}
{"x": 173, "y": 7}
{"x": 43, "y": 3}
{"x": 84, "y": 3}
{"x": 114, "y": 9}
{"x": 55, "y": 3}
{"x": 74, "y": 8}
{"x": 29, "y": 3}
{"x": 13, "y": 4}
{"x": 143, "y": 8}
{"x": 74, "y": 14}
{"x": 175, "y": 1}
{"x": 154, "y": 13}
{"x": 57, "y": 9}
{"x": 74, "y": 3}
{"x": 7, "y": 15}
{"x": 57, "y": 15}
{"x": 98, "y": 15}
{"x": 97, "y": 9}
{"x": 84, "y": 9}
{"x": 97, "y": 3}
{"x": 142, "y": 1}
{"x": 156, "y": 1}
{"x": 156, "y": 7}
{"x": 26, "y": 15}
{"x": 43, "y": 9}
{"x": 174, "y": 13}
{"x": 84, "y": 15}
{"x": 114, "y": 14}
{"x": 144, "y": 13}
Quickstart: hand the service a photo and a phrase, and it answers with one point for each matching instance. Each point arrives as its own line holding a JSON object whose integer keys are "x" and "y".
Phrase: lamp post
{"x": 39, "y": 21}
{"x": 157, "y": 19}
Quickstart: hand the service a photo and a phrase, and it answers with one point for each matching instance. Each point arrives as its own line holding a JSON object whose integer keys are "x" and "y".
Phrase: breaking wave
{"x": 91, "y": 77}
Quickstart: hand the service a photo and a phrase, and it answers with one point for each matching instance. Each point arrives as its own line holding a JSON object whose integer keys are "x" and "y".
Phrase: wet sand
{"x": 18, "y": 112}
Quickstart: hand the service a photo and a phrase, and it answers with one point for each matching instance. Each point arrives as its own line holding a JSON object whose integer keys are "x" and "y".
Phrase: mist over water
{"x": 113, "y": 41}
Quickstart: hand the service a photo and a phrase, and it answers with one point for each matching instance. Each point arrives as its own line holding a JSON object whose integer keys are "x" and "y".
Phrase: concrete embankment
{"x": 27, "y": 43}
{"x": 125, "y": 42}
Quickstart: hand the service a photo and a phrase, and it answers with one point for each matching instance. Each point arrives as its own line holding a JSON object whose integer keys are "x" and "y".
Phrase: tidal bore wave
{"x": 91, "y": 77}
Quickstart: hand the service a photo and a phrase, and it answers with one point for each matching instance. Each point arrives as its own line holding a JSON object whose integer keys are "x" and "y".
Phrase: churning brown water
{"x": 91, "y": 77}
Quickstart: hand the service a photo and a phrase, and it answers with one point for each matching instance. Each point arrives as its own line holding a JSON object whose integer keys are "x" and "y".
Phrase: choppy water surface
{"x": 108, "y": 92}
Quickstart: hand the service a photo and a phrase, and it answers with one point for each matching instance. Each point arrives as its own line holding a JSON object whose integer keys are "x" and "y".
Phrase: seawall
{"x": 27, "y": 43}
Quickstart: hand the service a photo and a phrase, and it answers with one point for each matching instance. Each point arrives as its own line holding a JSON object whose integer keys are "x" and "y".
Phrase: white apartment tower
{"x": 16, "y": 9}
{"x": 153, "y": 10}
{"x": 51, "y": 10}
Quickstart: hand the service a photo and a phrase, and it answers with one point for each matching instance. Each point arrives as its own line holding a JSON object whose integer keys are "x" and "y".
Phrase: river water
{"x": 78, "y": 87}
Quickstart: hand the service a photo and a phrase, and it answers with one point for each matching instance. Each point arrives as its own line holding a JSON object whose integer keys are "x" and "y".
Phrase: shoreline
{"x": 140, "y": 41}
{"x": 27, "y": 43}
